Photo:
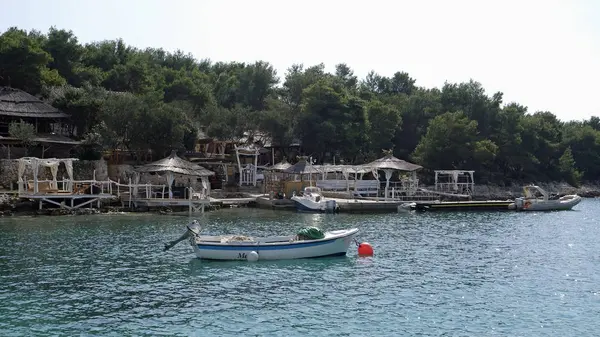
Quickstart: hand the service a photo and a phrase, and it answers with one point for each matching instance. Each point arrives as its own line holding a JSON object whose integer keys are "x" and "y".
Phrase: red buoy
{"x": 365, "y": 249}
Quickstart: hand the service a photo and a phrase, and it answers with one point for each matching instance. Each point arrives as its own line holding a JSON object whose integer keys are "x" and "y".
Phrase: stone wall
{"x": 509, "y": 192}
{"x": 82, "y": 170}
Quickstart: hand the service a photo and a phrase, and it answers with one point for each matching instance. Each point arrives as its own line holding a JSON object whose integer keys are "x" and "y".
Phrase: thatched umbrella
{"x": 18, "y": 103}
{"x": 388, "y": 164}
{"x": 173, "y": 164}
{"x": 281, "y": 166}
{"x": 302, "y": 167}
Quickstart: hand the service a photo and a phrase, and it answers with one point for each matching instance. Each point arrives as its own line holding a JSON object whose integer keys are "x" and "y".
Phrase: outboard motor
{"x": 193, "y": 229}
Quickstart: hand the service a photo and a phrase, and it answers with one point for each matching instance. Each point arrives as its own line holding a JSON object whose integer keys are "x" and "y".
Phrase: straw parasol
{"x": 302, "y": 167}
{"x": 17, "y": 103}
{"x": 388, "y": 164}
{"x": 281, "y": 166}
{"x": 173, "y": 164}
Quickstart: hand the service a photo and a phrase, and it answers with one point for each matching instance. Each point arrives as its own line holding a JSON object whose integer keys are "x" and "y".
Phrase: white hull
{"x": 565, "y": 203}
{"x": 335, "y": 243}
{"x": 305, "y": 204}
{"x": 313, "y": 201}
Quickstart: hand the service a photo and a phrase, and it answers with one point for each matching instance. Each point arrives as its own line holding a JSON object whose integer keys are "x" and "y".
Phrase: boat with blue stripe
{"x": 308, "y": 243}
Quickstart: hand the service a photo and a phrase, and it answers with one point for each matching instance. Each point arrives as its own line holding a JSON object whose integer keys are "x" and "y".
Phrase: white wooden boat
{"x": 236, "y": 247}
{"x": 312, "y": 200}
{"x": 537, "y": 199}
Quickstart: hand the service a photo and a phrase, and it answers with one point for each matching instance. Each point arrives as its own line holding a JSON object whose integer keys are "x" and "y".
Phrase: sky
{"x": 542, "y": 54}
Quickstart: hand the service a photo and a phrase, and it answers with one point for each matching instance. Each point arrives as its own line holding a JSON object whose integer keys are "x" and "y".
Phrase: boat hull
{"x": 307, "y": 205}
{"x": 562, "y": 204}
{"x": 335, "y": 243}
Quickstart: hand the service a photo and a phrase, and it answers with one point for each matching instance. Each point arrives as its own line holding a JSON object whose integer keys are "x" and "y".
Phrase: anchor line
{"x": 356, "y": 242}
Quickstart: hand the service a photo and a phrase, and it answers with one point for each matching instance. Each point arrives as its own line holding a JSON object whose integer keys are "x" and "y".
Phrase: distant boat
{"x": 312, "y": 200}
{"x": 537, "y": 199}
{"x": 309, "y": 243}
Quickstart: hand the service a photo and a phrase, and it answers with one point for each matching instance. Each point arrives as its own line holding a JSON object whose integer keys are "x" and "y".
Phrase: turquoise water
{"x": 438, "y": 274}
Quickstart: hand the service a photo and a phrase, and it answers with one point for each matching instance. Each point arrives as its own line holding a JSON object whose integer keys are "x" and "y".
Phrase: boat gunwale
{"x": 325, "y": 240}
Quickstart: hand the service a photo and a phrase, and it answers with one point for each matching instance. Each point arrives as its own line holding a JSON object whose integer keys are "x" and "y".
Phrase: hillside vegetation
{"x": 123, "y": 97}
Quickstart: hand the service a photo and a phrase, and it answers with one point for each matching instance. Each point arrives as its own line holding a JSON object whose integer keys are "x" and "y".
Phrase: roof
{"x": 175, "y": 164}
{"x": 18, "y": 103}
{"x": 357, "y": 169}
{"x": 46, "y": 138}
{"x": 302, "y": 167}
{"x": 55, "y": 139}
{"x": 392, "y": 163}
{"x": 282, "y": 165}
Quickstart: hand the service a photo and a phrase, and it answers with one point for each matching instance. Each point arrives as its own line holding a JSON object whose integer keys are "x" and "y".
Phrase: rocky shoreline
{"x": 489, "y": 192}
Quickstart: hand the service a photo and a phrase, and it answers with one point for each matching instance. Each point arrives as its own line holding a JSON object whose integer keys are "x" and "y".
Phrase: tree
{"x": 567, "y": 167}
{"x": 24, "y": 132}
{"x": 451, "y": 134}
{"x": 332, "y": 120}
{"x": 66, "y": 52}
{"x": 385, "y": 122}
{"x": 122, "y": 97}
{"x": 23, "y": 63}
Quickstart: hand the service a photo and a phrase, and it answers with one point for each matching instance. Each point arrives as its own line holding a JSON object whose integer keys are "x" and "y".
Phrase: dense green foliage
{"x": 140, "y": 100}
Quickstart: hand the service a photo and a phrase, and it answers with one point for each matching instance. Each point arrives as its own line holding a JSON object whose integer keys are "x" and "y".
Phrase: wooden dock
{"x": 368, "y": 206}
{"x": 345, "y": 205}
{"x": 490, "y": 205}
{"x": 232, "y": 202}
{"x": 393, "y": 206}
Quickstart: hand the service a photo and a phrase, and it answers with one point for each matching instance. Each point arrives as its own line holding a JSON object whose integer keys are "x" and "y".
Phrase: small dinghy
{"x": 309, "y": 242}
{"x": 537, "y": 199}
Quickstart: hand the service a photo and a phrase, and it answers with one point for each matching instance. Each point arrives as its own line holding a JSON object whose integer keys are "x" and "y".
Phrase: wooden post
{"x": 130, "y": 192}
{"x": 35, "y": 175}
{"x": 272, "y": 155}
{"x": 237, "y": 156}
{"x": 190, "y": 199}
{"x": 255, "y": 167}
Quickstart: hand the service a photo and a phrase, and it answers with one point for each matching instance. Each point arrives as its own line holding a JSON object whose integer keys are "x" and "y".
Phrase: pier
{"x": 489, "y": 205}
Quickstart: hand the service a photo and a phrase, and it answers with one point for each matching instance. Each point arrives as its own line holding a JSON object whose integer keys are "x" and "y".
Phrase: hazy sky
{"x": 542, "y": 54}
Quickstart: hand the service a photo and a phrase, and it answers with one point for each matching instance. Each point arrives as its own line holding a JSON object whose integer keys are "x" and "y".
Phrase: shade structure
{"x": 388, "y": 164}
{"x": 175, "y": 164}
{"x": 392, "y": 163}
{"x": 281, "y": 166}
{"x": 302, "y": 167}
{"x": 172, "y": 165}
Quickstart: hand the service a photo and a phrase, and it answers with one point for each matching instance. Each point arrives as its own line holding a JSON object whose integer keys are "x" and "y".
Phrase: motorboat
{"x": 309, "y": 242}
{"x": 312, "y": 200}
{"x": 536, "y": 198}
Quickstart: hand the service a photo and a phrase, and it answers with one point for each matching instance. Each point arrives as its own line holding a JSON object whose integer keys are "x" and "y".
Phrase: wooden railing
{"x": 99, "y": 187}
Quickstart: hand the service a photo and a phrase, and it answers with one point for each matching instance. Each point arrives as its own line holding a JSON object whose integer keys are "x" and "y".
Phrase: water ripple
{"x": 492, "y": 274}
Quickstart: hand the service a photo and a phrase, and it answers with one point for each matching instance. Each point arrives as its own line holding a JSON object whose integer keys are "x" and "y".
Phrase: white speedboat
{"x": 537, "y": 199}
{"x": 312, "y": 200}
{"x": 239, "y": 247}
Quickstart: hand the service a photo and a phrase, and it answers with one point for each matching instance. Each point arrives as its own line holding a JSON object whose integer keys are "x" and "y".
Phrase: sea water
{"x": 433, "y": 274}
